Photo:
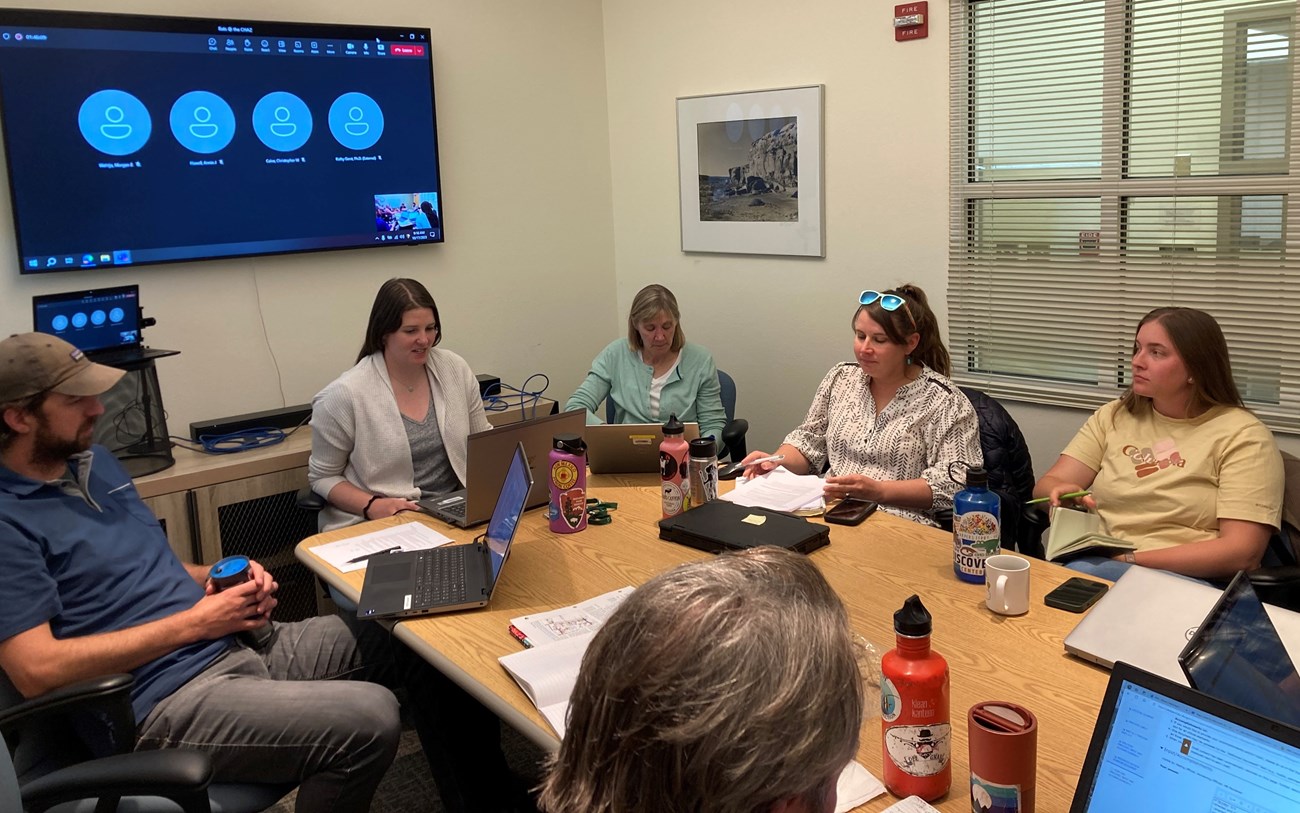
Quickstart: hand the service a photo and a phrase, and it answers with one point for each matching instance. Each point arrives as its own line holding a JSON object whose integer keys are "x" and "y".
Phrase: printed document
{"x": 779, "y": 490}
{"x": 410, "y": 536}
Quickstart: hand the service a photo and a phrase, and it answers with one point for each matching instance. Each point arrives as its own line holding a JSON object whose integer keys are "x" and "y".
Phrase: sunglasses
{"x": 890, "y": 302}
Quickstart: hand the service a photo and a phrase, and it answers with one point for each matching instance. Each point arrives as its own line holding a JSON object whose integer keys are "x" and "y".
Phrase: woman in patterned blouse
{"x": 890, "y": 425}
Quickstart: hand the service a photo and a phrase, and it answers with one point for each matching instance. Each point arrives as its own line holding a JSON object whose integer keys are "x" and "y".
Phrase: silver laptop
{"x": 488, "y": 455}
{"x": 1149, "y": 616}
{"x": 454, "y": 577}
{"x": 619, "y": 448}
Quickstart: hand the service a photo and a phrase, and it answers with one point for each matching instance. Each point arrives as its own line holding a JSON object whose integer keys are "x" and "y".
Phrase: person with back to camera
{"x": 891, "y": 425}
{"x": 655, "y": 372}
{"x": 395, "y": 427}
{"x": 728, "y": 685}
{"x": 1177, "y": 464}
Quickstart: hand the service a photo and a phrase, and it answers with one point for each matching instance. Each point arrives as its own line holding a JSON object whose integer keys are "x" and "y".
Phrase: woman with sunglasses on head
{"x": 891, "y": 424}
{"x": 1177, "y": 465}
{"x": 395, "y": 427}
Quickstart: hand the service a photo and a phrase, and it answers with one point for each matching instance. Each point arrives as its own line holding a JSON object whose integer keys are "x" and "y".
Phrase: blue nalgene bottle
{"x": 976, "y": 526}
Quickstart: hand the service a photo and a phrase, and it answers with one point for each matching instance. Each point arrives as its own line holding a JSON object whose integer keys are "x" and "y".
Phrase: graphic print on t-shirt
{"x": 1159, "y": 455}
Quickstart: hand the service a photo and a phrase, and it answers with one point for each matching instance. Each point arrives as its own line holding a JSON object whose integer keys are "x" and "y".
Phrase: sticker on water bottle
{"x": 891, "y": 705}
{"x": 976, "y": 537}
{"x": 563, "y": 474}
{"x": 986, "y": 796}
{"x": 919, "y": 750}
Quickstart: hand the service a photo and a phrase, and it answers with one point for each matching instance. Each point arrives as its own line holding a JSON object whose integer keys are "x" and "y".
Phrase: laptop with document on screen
{"x": 104, "y": 323}
{"x": 1160, "y": 747}
{"x": 453, "y": 577}
{"x": 487, "y": 456}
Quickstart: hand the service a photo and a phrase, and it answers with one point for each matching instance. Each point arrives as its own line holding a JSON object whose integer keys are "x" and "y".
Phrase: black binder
{"x": 720, "y": 525}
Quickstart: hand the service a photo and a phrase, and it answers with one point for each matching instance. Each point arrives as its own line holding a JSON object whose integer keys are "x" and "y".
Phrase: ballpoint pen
{"x": 736, "y": 468}
{"x": 366, "y": 556}
{"x": 1069, "y": 496}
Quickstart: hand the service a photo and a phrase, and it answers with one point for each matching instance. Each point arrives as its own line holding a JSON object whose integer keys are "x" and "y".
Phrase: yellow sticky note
{"x": 755, "y": 519}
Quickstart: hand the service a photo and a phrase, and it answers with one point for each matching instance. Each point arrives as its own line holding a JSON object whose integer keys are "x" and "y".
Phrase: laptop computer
{"x": 1147, "y": 618}
{"x": 488, "y": 455}
{"x": 719, "y": 525}
{"x": 1160, "y": 747}
{"x": 1237, "y": 656}
{"x": 103, "y": 323}
{"x": 618, "y": 448}
{"x": 454, "y": 577}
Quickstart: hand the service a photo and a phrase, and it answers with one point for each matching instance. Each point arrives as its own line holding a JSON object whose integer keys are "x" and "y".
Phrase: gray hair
{"x": 725, "y": 685}
{"x": 648, "y": 303}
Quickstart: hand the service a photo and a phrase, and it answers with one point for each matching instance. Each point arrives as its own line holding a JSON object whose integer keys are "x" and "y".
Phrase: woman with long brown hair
{"x": 1176, "y": 465}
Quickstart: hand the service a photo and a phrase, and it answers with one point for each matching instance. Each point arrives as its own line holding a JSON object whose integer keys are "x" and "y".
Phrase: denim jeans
{"x": 277, "y": 715}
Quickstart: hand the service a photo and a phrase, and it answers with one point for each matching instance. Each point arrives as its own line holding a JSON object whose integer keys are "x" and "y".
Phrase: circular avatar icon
{"x": 59, "y": 323}
{"x": 116, "y": 315}
{"x": 356, "y": 121}
{"x": 114, "y": 122}
{"x": 202, "y": 122}
{"x": 282, "y": 121}
{"x": 97, "y": 317}
{"x": 79, "y": 319}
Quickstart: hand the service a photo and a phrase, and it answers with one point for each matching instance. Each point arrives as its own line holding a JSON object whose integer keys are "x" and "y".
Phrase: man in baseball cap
{"x": 92, "y": 588}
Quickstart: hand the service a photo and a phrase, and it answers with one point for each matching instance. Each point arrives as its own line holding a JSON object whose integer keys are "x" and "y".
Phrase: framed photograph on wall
{"x": 750, "y": 168}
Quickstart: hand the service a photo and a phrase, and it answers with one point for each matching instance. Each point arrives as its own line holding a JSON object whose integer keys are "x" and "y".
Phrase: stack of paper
{"x": 410, "y": 536}
{"x": 779, "y": 490}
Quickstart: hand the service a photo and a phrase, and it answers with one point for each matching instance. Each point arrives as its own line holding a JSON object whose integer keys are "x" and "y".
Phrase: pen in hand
{"x": 1069, "y": 496}
{"x": 363, "y": 557}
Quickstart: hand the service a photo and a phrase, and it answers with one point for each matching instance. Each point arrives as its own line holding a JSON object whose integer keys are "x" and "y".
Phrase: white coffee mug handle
{"x": 1000, "y": 592}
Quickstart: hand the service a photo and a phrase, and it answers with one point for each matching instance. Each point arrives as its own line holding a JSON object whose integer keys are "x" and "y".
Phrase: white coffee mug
{"x": 1007, "y": 580}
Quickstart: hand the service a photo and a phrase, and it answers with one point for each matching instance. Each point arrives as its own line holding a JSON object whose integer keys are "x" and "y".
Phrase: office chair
{"x": 52, "y": 769}
{"x": 1277, "y": 582}
{"x": 1011, "y": 476}
{"x": 733, "y": 433}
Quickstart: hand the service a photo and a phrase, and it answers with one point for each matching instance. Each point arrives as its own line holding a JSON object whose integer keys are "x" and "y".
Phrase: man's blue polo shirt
{"x": 85, "y": 554}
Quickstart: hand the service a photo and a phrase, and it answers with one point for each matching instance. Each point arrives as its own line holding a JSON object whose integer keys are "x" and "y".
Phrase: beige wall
{"x": 521, "y": 105}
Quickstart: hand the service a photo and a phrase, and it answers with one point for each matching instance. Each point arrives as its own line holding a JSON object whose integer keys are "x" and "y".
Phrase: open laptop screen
{"x": 103, "y": 319}
{"x": 509, "y": 508}
{"x": 1237, "y": 656}
{"x": 1159, "y": 746}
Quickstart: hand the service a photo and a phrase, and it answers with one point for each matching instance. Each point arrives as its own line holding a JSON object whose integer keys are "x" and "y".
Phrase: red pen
{"x": 519, "y": 636}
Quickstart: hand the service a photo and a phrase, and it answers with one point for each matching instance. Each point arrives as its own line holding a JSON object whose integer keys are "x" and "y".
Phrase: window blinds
{"x": 1109, "y": 157}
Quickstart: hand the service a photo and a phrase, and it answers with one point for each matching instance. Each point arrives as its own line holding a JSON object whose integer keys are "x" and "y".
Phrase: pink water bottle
{"x": 568, "y": 467}
{"x": 673, "y": 452}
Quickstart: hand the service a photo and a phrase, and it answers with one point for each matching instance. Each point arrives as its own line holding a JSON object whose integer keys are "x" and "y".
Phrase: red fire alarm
{"x": 911, "y": 21}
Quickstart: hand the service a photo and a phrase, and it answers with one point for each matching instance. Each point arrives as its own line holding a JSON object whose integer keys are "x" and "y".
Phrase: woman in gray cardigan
{"x": 394, "y": 427}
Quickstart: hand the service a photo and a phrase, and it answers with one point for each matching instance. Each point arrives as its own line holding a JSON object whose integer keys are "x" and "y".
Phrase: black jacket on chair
{"x": 1011, "y": 473}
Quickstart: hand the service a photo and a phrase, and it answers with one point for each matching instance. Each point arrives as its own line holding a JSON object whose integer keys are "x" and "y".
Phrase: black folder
{"x": 719, "y": 525}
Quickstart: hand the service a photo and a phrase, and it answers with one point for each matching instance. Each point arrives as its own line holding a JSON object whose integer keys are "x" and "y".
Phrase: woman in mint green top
{"x": 654, "y": 372}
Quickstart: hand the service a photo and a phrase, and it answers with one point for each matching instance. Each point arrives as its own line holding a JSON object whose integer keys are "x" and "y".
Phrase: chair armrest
{"x": 108, "y": 695}
{"x": 733, "y": 438}
{"x": 179, "y": 775}
{"x": 308, "y": 500}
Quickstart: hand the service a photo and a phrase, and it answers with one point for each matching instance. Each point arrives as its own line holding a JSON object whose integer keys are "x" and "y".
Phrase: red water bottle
{"x": 568, "y": 470}
{"x": 914, "y": 709}
{"x": 673, "y": 451}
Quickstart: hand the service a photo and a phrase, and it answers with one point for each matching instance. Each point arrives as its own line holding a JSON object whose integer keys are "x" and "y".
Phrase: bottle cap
{"x": 570, "y": 443}
{"x": 229, "y": 566}
{"x": 704, "y": 447}
{"x": 913, "y": 619}
{"x": 977, "y": 476}
{"x": 674, "y": 426}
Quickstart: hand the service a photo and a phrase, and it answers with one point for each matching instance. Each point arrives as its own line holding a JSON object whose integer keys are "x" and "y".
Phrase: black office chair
{"x": 733, "y": 434}
{"x": 52, "y": 769}
{"x": 1277, "y": 582}
{"x": 1011, "y": 476}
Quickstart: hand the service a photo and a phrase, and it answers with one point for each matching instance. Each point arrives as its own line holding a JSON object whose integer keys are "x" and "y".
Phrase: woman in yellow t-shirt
{"x": 1177, "y": 465}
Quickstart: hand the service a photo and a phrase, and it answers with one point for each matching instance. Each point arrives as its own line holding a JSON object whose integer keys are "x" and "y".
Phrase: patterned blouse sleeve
{"x": 956, "y": 441}
{"x": 810, "y": 436}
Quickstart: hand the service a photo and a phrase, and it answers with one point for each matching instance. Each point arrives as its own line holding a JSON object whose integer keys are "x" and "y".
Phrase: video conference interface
{"x": 140, "y": 146}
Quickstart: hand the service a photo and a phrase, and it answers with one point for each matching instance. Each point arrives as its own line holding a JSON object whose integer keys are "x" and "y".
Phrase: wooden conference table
{"x": 874, "y": 568}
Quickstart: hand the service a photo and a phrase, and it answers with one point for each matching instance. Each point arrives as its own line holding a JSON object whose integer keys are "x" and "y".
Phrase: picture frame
{"x": 750, "y": 172}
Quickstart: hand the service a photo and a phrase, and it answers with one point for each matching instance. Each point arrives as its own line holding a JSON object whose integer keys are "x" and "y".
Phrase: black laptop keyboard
{"x": 455, "y": 509}
{"x": 441, "y": 579}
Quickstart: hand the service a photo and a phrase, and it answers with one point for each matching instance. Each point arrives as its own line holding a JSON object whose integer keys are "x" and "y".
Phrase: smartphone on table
{"x": 1076, "y": 594}
{"x": 849, "y": 511}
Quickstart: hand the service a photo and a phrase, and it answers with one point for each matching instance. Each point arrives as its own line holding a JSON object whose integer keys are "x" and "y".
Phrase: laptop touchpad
{"x": 386, "y": 572}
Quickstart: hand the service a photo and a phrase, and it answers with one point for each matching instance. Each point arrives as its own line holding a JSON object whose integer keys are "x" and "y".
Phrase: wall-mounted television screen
{"x": 135, "y": 139}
